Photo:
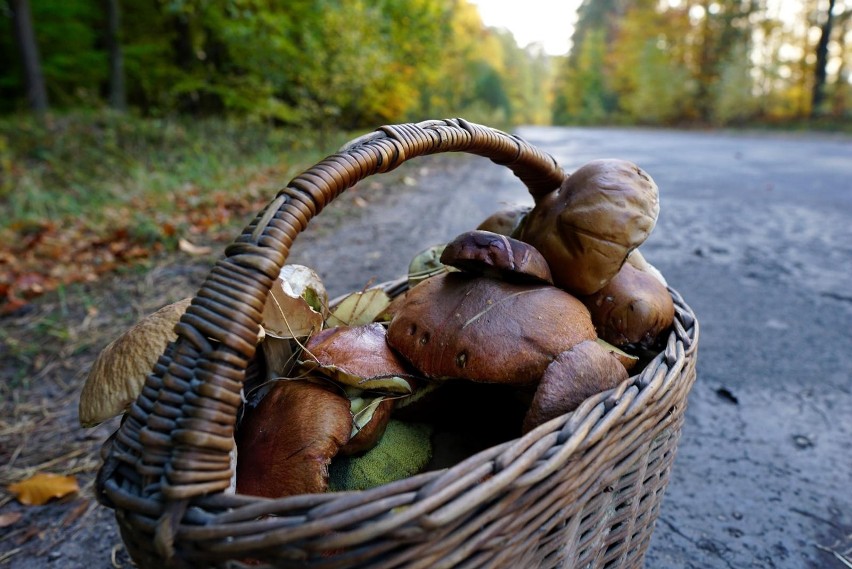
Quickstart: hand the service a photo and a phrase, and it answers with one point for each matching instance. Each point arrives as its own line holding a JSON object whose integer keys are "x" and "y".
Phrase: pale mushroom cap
{"x": 118, "y": 373}
{"x": 587, "y": 228}
{"x": 634, "y": 308}
{"x": 575, "y": 375}
{"x": 636, "y": 259}
{"x": 461, "y": 326}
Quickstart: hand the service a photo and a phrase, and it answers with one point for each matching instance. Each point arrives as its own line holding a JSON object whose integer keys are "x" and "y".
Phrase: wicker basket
{"x": 582, "y": 490}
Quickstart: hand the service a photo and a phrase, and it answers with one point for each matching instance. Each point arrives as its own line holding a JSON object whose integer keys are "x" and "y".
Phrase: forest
{"x": 134, "y": 127}
{"x": 360, "y": 63}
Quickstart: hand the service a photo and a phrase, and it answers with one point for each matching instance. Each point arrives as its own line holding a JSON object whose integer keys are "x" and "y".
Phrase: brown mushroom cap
{"x": 634, "y": 308}
{"x": 587, "y": 228}
{"x": 118, "y": 373}
{"x": 286, "y": 443}
{"x": 506, "y": 221}
{"x": 358, "y": 356}
{"x": 575, "y": 375}
{"x": 457, "y": 325}
{"x": 492, "y": 254}
{"x": 368, "y": 430}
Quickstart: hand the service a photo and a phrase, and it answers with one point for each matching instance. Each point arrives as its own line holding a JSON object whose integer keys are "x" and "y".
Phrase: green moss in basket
{"x": 404, "y": 450}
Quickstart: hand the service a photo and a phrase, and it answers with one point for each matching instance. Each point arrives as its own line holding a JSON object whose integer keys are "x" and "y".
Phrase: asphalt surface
{"x": 755, "y": 231}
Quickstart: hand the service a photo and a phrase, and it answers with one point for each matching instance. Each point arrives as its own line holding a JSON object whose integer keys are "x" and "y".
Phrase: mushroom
{"x": 498, "y": 256}
{"x": 586, "y": 228}
{"x": 295, "y": 308}
{"x": 456, "y": 325}
{"x": 370, "y": 417}
{"x": 358, "y": 356}
{"x": 286, "y": 443}
{"x": 636, "y": 259}
{"x": 118, "y": 373}
{"x": 633, "y": 309}
{"x": 507, "y": 221}
{"x": 575, "y": 375}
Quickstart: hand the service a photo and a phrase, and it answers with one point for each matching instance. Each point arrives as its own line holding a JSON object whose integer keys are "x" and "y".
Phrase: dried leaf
{"x": 43, "y": 487}
{"x": 288, "y": 315}
{"x": 9, "y": 518}
{"x": 192, "y": 249}
{"x": 425, "y": 264}
{"x": 359, "y": 308}
{"x": 362, "y": 409}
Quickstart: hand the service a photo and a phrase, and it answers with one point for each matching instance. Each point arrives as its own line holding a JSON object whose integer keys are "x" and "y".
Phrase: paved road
{"x": 756, "y": 232}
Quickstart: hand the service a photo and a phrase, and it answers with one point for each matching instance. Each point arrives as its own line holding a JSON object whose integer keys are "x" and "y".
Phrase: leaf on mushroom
{"x": 370, "y": 416}
{"x": 627, "y": 360}
{"x": 359, "y": 308}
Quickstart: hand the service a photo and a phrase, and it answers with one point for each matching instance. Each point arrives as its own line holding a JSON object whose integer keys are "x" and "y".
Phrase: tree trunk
{"x": 818, "y": 93}
{"x": 22, "y": 23}
{"x": 117, "y": 95}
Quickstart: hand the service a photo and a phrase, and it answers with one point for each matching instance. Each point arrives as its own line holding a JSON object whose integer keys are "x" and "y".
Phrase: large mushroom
{"x": 458, "y": 325}
{"x": 357, "y": 356}
{"x": 575, "y": 375}
{"x": 287, "y": 442}
{"x": 118, "y": 373}
{"x": 587, "y": 227}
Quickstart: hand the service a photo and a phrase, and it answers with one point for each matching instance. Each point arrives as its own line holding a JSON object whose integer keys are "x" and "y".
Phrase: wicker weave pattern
{"x": 580, "y": 491}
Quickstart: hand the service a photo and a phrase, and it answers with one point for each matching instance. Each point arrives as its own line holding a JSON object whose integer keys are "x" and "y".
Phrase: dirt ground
{"x": 762, "y": 475}
{"x": 47, "y": 350}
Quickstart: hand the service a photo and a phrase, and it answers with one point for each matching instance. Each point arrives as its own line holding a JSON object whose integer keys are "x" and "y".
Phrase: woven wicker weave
{"x": 582, "y": 490}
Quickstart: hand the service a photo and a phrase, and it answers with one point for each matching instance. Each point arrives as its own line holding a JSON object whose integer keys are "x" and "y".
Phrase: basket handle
{"x": 179, "y": 432}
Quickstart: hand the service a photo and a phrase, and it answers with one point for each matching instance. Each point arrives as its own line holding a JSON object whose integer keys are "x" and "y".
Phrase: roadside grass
{"x": 87, "y": 164}
{"x": 90, "y": 193}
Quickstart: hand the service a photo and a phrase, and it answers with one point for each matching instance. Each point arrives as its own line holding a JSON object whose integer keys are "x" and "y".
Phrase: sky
{"x": 549, "y": 22}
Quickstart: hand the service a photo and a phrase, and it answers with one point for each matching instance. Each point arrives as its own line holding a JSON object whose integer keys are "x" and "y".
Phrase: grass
{"x": 88, "y": 164}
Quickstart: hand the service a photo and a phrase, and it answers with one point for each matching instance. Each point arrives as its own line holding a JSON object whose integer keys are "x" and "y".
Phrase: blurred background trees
{"x": 335, "y": 64}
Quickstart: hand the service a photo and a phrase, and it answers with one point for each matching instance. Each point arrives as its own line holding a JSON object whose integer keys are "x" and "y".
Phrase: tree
{"x": 117, "y": 95}
{"x": 25, "y": 36}
{"x": 820, "y": 71}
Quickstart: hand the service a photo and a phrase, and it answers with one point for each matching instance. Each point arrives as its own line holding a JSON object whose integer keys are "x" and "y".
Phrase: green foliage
{"x": 714, "y": 62}
{"x": 584, "y": 96}
{"x": 330, "y": 64}
{"x": 318, "y": 63}
{"x": 91, "y": 164}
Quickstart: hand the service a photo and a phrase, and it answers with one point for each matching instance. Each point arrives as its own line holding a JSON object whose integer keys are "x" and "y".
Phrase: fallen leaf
{"x": 192, "y": 249}
{"x": 9, "y": 519}
{"x": 43, "y": 487}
